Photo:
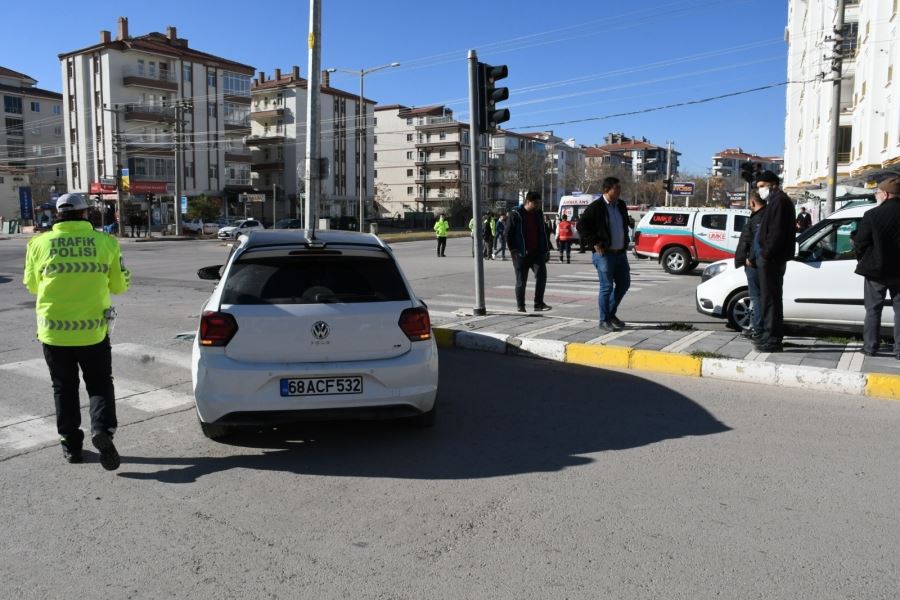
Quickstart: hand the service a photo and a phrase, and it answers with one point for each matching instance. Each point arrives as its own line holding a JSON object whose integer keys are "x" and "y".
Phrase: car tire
{"x": 694, "y": 265}
{"x": 676, "y": 261}
{"x": 215, "y": 431}
{"x": 423, "y": 420}
{"x": 738, "y": 311}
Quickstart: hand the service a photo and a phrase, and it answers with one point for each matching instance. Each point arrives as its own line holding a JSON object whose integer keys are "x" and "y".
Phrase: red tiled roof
{"x": 4, "y": 72}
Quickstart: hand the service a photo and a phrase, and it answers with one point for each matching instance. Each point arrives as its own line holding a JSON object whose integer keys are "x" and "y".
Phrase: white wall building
{"x": 278, "y": 141}
{"x": 870, "y": 100}
{"x": 31, "y": 135}
{"x": 120, "y": 96}
{"x": 726, "y": 165}
{"x": 422, "y": 159}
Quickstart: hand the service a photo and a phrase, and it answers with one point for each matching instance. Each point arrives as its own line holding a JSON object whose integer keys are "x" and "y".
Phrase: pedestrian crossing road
{"x": 148, "y": 381}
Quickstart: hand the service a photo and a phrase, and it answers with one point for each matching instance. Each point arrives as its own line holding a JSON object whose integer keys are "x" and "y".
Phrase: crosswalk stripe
{"x": 27, "y": 432}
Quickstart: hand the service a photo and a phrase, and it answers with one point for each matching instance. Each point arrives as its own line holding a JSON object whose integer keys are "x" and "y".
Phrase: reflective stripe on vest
{"x": 76, "y": 267}
{"x": 63, "y": 325}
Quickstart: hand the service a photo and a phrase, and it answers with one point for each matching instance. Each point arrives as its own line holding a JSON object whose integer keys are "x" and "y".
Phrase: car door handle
{"x": 703, "y": 234}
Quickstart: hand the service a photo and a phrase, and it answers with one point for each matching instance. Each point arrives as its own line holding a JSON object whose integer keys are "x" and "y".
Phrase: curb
{"x": 877, "y": 385}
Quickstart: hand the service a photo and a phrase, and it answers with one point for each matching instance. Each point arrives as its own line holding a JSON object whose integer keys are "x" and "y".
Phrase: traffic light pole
{"x": 668, "y": 172}
{"x": 312, "y": 173}
{"x": 836, "y": 70}
{"x": 475, "y": 176}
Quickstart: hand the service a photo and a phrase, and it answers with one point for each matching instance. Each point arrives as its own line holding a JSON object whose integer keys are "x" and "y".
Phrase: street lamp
{"x": 361, "y": 130}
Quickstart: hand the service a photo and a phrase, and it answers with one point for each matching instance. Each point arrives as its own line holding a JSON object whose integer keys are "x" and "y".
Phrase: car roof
{"x": 289, "y": 237}
{"x": 852, "y": 209}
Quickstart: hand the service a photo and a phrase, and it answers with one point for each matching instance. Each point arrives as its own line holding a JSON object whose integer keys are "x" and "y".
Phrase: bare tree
{"x": 522, "y": 172}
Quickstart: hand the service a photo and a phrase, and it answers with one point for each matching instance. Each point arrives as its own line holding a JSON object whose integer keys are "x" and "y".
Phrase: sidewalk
{"x": 828, "y": 364}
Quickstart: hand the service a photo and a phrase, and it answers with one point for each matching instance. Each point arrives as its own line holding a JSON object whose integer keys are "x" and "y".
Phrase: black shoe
{"x": 568, "y": 260}
{"x": 542, "y": 306}
{"x": 617, "y": 323}
{"x": 109, "y": 456}
{"x": 71, "y": 453}
{"x": 870, "y": 352}
{"x": 606, "y": 327}
{"x": 520, "y": 309}
{"x": 769, "y": 347}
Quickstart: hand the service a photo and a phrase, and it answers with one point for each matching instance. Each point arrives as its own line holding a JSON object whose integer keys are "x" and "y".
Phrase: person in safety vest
{"x": 564, "y": 238}
{"x": 72, "y": 269}
{"x": 440, "y": 230}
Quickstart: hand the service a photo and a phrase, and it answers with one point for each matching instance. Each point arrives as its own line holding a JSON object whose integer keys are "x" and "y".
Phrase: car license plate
{"x": 321, "y": 386}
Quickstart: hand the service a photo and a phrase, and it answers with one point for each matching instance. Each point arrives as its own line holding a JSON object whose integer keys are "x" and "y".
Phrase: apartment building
{"x": 648, "y": 161}
{"x": 565, "y": 168}
{"x": 121, "y": 98}
{"x": 32, "y": 135}
{"x": 12, "y": 179}
{"x": 278, "y": 143}
{"x": 869, "y": 112}
{"x": 518, "y": 163}
{"x": 726, "y": 165}
{"x": 422, "y": 159}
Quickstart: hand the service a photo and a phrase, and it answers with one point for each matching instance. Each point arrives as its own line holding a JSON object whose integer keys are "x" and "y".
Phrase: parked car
{"x": 682, "y": 238}
{"x": 200, "y": 226}
{"x": 820, "y": 286}
{"x": 239, "y": 227}
{"x": 289, "y": 224}
{"x": 302, "y": 329}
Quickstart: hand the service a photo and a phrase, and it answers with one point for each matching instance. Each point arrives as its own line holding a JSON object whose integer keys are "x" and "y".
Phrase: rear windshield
{"x": 314, "y": 280}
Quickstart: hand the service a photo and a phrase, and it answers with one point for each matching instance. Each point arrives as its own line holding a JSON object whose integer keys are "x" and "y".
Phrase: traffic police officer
{"x": 72, "y": 270}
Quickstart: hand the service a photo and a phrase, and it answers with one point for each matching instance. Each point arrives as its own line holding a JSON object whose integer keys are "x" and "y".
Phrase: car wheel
{"x": 423, "y": 420}
{"x": 694, "y": 265}
{"x": 676, "y": 261}
{"x": 216, "y": 432}
{"x": 739, "y": 311}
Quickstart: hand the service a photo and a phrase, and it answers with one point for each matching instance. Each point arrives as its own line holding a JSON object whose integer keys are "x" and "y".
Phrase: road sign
{"x": 26, "y": 208}
{"x": 126, "y": 180}
{"x": 107, "y": 181}
{"x": 685, "y": 188}
{"x": 737, "y": 197}
{"x": 254, "y": 197}
{"x": 184, "y": 205}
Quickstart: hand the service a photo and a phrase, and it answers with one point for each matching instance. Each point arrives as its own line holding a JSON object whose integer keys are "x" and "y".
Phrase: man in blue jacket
{"x": 529, "y": 249}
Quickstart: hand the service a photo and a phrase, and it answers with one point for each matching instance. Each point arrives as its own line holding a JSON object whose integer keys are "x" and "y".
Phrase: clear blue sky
{"x": 568, "y": 59}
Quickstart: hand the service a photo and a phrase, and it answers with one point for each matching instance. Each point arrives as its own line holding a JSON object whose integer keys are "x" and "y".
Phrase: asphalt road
{"x": 540, "y": 480}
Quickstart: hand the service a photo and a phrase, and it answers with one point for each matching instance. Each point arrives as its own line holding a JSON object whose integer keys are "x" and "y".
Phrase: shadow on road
{"x": 498, "y": 415}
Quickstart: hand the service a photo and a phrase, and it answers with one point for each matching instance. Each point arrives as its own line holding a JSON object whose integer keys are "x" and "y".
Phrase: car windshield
{"x": 314, "y": 279}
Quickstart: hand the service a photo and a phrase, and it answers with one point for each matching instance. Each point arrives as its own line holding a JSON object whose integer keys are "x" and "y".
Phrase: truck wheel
{"x": 676, "y": 261}
{"x": 739, "y": 311}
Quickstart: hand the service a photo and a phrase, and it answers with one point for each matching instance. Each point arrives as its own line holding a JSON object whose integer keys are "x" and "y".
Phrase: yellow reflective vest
{"x": 441, "y": 228}
{"x": 72, "y": 270}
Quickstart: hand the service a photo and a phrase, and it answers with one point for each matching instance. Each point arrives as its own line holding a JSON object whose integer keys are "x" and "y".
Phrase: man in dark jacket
{"x": 604, "y": 227}
{"x": 745, "y": 256}
{"x": 775, "y": 245}
{"x": 529, "y": 249}
{"x": 878, "y": 253}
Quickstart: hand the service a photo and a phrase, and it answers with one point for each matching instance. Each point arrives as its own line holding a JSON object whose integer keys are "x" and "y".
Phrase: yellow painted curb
{"x": 883, "y": 386}
{"x": 444, "y": 337}
{"x": 615, "y": 357}
{"x": 666, "y": 362}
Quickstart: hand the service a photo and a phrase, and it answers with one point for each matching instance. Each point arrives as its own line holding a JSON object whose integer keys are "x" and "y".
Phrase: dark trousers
{"x": 96, "y": 368}
{"x": 771, "y": 290}
{"x": 442, "y": 246}
{"x": 565, "y": 246}
{"x": 755, "y": 305}
{"x": 874, "y": 294}
{"x": 522, "y": 264}
{"x": 487, "y": 246}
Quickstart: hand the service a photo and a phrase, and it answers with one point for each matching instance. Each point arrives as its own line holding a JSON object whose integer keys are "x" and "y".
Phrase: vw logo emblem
{"x": 320, "y": 330}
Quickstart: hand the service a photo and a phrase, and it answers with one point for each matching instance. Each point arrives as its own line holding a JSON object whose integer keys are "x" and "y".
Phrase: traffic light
{"x": 487, "y": 96}
{"x": 749, "y": 171}
{"x": 667, "y": 183}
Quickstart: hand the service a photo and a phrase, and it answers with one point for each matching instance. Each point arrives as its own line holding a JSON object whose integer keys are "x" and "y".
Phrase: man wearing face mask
{"x": 774, "y": 246}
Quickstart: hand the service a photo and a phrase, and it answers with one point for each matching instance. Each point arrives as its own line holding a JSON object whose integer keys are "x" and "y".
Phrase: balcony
{"x": 268, "y": 166}
{"x": 425, "y": 122}
{"x": 263, "y": 140}
{"x": 438, "y": 162}
{"x": 443, "y": 198}
{"x": 271, "y": 113}
{"x": 438, "y": 144}
{"x": 149, "y": 114}
{"x": 158, "y": 145}
{"x": 238, "y": 157}
{"x": 241, "y": 126}
{"x": 162, "y": 80}
{"x": 438, "y": 181}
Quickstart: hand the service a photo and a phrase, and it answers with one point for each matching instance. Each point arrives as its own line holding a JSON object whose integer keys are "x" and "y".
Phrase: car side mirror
{"x": 212, "y": 273}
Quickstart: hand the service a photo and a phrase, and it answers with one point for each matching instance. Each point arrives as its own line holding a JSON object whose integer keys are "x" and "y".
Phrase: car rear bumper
{"x": 235, "y": 392}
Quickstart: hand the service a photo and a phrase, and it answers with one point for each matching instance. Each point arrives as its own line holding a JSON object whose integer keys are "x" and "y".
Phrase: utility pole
{"x": 474, "y": 175}
{"x": 179, "y": 163}
{"x": 836, "y": 69}
{"x": 117, "y": 149}
{"x": 361, "y": 133}
{"x": 312, "y": 175}
{"x": 274, "y": 192}
{"x": 668, "y": 171}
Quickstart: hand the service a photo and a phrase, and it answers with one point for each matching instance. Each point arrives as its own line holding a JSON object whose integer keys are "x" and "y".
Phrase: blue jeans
{"x": 615, "y": 279}
{"x": 755, "y": 301}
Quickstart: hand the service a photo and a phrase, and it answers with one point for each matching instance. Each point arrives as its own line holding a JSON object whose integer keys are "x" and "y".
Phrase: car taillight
{"x": 216, "y": 329}
{"x": 416, "y": 323}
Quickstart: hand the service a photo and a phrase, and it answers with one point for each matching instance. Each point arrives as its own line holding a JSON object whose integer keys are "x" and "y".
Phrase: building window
{"x": 375, "y": 156}
{"x": 35, "y": 107}
{"x": 408, "y": 137}
{"x": 14, "y": 127}
{"x": 409, "y": 121}
{"x": 409, "y": 172}
{"x": 442, "y": 154}
{"x": 140, "y": 66}
{"x": 189, "y": 170}
{"x": 409, "y": 191}
{"x": 211, "y": 172}
{"x": 57, "y": 109}
{"x": 442, "y": 135}
{"x": 187, "y": 72}
{"x": 59, "y": 171}
{"x": 235, "y": 84}
{"x": 211, "y": 79}
{"x": 375, "y": 172}
{"x": 375, "y": 139}
{"x": 409, "y": 155}
{"x": 211, "y": 110}
{"x": 36, "y": 128}
{"x": 12, "y": 104}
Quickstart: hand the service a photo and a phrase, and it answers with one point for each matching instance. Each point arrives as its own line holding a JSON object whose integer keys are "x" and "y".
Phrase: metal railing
{"x": 166, "y": 76}
{"x": 166, "y": 111}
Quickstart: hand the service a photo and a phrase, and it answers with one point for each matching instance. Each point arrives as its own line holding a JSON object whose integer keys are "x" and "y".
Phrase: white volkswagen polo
{"x": 318, "y": 328}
